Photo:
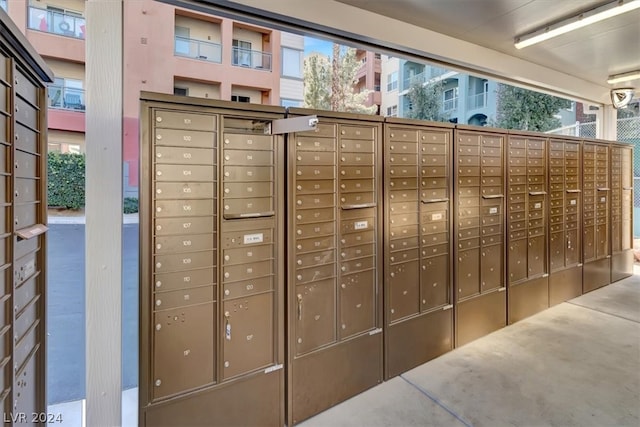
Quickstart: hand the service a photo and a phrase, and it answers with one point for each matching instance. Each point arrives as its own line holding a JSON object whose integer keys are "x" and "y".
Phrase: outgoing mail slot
{"x": 403, "y": 159}
{"x": 184, "y": 138}
{"x": 359, "y": 264}
{"x": 469, "y": 171}
{"x": 357, "y": 303}
{"x": 247, "y": 287}
{"x": 314, "y": 201}
{"x": 180, "y": 120}
{"x": 25, "y": 215}
{"x": 245, "y": 271}
{"x": 438, "y": 149}
{"x": 311, "y": 143}
{"x": 183, "y": 297}
{"x": 25, "y": 190}
{"x": 314, "y": 244}
{"x": 401, "y": 183}
{"x": 184, "y": 173}
{"x": 354, "y": 239}
{"x": 491, "y": 161}
{"x": 435, "y": 239}
{"x": 26, "y": 165}
{"x": 184, "y": 190}
{"x": 315, "y": 158}
{"x": 434, "y": 194}
{"x": 205, "y": 224}
{"x": 368, "y": 249}
{"x": 315, "y": 273}
{"x": 404, "y": 292}
{"x": 247, "y": 206}
{"x": 315, "y": 230}
{"x": 347, "y": 199}
{"x": 305, "y": 216}
{"x": 185, "y": 261}
{"x": 306, "y": 187}
{"x": 233, "y": 190}
{"x": 440, "y": 226}
{"x": 26, "y": 114}
{"x": 186, "y": 243}
{"x": 247, "y": 254}
{"x": 438, "y": 171}
{"x": 244, "y": 174}
{"x": 183, "y": 349}
{"x": 183, "y": 208}
{"x": 356, "y": 185}
{"x": 26, "y": 139}
{"x": 358, "y": 172}
{"x": 249, "y": 142}
{"x": 357, "y": 146}
{"x": 399, "y": 134}
{"x": 248, "y": 157}
{"x": 184, "y": 155}
{"x": 356, "y": 132}
{"x": 403, "y": 243}
{"x": 403, "y": 256}
{"x": 315, "y": 316}
{"x": 184, "y": 279}
{"x": 315, "y": 258}
{"x": 468, "y": 243}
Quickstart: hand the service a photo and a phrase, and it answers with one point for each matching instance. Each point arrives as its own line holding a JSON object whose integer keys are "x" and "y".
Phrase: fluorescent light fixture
{"x": 582, "y": 20}
{"x": 625, "y": 77}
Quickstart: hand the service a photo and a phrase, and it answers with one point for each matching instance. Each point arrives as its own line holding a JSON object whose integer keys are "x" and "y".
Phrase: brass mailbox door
{"x": 315, "y": 317}
{"x": 404, "y": 289}
{"x": 357, "y": 297}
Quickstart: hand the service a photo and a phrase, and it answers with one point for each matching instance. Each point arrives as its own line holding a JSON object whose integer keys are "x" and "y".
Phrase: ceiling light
{"x": 625, "y": 77}
{"x": 581, "y": 20}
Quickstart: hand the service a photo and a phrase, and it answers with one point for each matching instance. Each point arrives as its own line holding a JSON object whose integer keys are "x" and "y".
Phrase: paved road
{"x": 66, "y": 311}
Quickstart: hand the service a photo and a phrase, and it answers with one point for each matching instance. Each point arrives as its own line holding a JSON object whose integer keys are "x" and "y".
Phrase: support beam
{"x": 609, "y": 127}
{"x": 103, "y": 253}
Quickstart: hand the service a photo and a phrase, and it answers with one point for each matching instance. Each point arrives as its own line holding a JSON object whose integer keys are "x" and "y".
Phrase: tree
{"x": 527, "y": 110}
{"x": 426, "y": 102}
{"x": 329, "y": 85}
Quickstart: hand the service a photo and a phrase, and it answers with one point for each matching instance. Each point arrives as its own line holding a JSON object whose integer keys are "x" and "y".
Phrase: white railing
{"x": 251, "y": 58}
{"x": 478, "y": 100}
{"x": 198, "y": 49}
{"x": 425, "y": 76}
{"x": 450, "y": 104}
{"x": 66, "y": 98}
{"x": 64, "y": 24}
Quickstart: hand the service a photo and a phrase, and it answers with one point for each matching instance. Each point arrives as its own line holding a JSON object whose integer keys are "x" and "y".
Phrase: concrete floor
{"x": 575, "y": 364}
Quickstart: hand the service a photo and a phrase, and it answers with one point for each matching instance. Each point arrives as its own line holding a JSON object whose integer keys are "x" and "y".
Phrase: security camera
{"x": 621, "y": 97}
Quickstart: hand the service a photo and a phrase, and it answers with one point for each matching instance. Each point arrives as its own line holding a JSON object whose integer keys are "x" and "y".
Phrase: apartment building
{"x": 210, "y": 57}
{"x": 368, "y": 77}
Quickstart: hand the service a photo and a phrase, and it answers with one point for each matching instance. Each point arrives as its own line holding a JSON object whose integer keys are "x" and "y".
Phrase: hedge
{"x": 66, "y": 180}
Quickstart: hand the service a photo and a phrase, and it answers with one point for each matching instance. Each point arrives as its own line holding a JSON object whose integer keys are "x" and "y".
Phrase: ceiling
{"x": 591, "y": 53}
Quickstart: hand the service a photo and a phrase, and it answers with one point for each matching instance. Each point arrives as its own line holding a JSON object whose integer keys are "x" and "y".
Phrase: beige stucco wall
{"x": 66, "y": 69}
{"x": 199, "y": 90}
{"x": 255, "y": 95}
{"x": 199, "y": 29}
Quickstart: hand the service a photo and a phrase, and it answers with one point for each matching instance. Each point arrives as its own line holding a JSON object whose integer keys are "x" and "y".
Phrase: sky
{"x": 316, "y": 45}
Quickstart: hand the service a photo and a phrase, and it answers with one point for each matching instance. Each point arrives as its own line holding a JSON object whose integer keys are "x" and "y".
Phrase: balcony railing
{"x": 478, "y": 100}
{"x": 66, "y": 98}
{"x": 60, "y": 23}
{"x": 450, "y": 104}
{"x": 425, "y": 76}
{"x": 198, "y": 49}
{"x": 251, "y": 58}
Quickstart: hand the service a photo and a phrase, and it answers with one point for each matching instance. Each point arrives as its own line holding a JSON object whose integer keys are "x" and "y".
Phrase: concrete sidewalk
{"x": 575, "y": 364}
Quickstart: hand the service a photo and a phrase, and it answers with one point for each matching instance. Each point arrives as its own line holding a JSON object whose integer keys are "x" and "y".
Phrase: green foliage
{"x": 130, "y": 205}
{"x": 527, "y": 110}
{"x": 426, "y": 102}
{"x": 329, "y": 84}
{"x": 65, "y": 183}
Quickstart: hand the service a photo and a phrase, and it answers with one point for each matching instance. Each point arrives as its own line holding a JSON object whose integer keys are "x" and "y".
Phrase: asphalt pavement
{"x": 66, "y": 311}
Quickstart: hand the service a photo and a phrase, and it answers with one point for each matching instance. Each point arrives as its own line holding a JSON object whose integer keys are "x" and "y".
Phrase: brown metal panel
{"x": 25, "y": 390}
{"x": 248, "y": 334}
{"x": 26, "y": 165}
{"x": 315, "y": 321}
{"x": 248, "y": 206}
{"x": 233, "y": 190}
{"x": 403, "y": 283}
{"x": 186, "y": 243}
{"x": 528, "y": 298}
{"x": 184, "y": 225}
{"x": 468, "y": 273}
{"x": 315, "y": 258}
{"x": 184, "y": 190}
{"x": 250, "y": 142}
{"x": 248, "y": 174}
{"x": 26, "y": 114}
{"x": 357, "y": 303}
{"x": 565, "y": 285}
{"x": 183, "y": 138}
{"x": 315, "y": 158}
{"x": 621, "y": 265}
{"x": 596, "y": 274}
{"x": 517, "y": 258}
{"x": 182, "y": 120}
{"x": 315, "y": 229}
{"x": 491, "y": 267}
{"x": 536, "y": 256}
{"x": 434, "y": 282}
{"x": 184, "y": 155}
{"x": 405, "y": 243}
{"x": 304, "y": 216}
{"x": 184, "y": 279}
{"x": 247, "y": 157}
{"x": 185, "y": 261}
{"x": 356, "y": 132}
{"x": 356, "y": 185}
{"x": 477, "y": 317}
{"x": 357, "y": 146}
{"x": 184, "y": 173}
{"x": 183, "y": 297}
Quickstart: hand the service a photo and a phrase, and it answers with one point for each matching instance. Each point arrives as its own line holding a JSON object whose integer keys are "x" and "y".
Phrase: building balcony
{"x": 423, "y": 77}
{"x": 450, "y": 104}
{"x": 476, "y": 101}
{"x": 254, "y": 59}
{"x": 59, "y": 23}
{"x": 198, "y": 49}
{"x": 66, "y": 98}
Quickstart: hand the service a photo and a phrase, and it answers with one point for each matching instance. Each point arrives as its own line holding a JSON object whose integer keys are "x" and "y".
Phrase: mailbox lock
{"x": 226, "y": 292}
{"x": 158, "y": 382}
{"x": 158, "y": 327}
{"x": 158, "y": 284}
{"x": 158, "y": 302}
{"x": 299, "y": 262}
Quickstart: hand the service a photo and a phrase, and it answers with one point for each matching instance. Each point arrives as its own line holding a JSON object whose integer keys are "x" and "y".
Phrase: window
{"x": 3, "y": 4}
{"x": 240, "y": 98}
{"x": 377, "y": 56}
{"x": 182, "y": 41}
{"x": 392, "y": 111}
{"x": 241, "y": 53}
{"x": 450, "y": 99}
{"x": 291, "y": 62}
{"x": 66, "y": 93}
{"x": 290, "y": 102}
{"x": 182, "y": 91}
{"x": 392, "y": 81}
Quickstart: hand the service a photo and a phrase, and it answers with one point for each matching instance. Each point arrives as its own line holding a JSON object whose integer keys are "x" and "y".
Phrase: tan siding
{"x": 199, "y": 90}
{"x": 291, "y": 89}
{"x": 66, "y": 69}
{"x": 292, "y": 40}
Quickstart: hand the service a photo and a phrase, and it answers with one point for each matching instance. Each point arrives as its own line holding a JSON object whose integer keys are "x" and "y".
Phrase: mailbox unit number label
{"x": 573, "y": 202}
{"x": 253, "y": 238}
{"x": 436, "y": 217}
{"x": 537, "y": 206}
{"x": 493, "y": 210}
{"x": 361, "y": 225}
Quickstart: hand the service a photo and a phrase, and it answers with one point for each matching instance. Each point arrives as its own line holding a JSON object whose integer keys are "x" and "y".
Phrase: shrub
{"x": 130, "y": 205}
{"x": 65, "y": 185}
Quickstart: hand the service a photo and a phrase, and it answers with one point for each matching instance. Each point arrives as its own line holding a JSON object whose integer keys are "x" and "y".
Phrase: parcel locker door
{"x": 491, "y": 267}
{"x": 434, "y": 282}
{"x": 357, "y": 297}
{"x": 536, "y": 256}
{"x": 556, "y": 249}
{"x": 468, "y": 273}
{"x": 404, "y": 289}
{"x": 315, "y": 318}
{"x": 517, "y": 260}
